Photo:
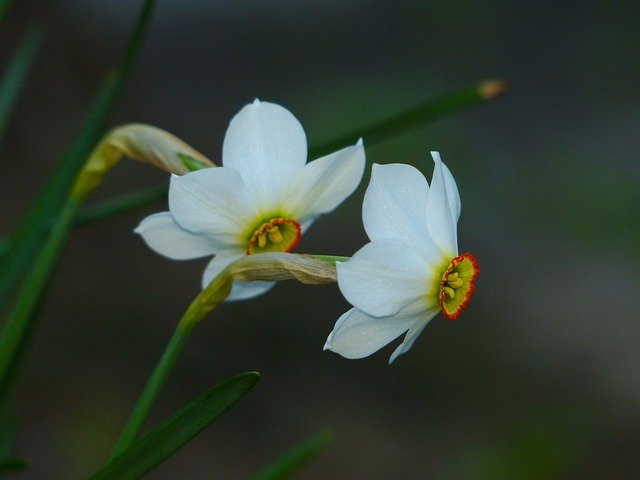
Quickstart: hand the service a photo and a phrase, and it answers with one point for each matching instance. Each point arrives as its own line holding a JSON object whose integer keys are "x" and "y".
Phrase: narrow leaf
{"x": 16, "y": 73}
{"x": 162, "y": 442}
{"x": 32, "y": 232}
{"x": 383, "y": 130}
{"x": 34, "y": 248}
{"x": 283, "y": 467}
{"x": 105, "y": 209}
{"x": 416, "y": 116}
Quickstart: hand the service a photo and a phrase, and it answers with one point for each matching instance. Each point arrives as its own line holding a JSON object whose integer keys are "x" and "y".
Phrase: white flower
{"x": 262, "y": 200}
{"x": 411, "y": 268}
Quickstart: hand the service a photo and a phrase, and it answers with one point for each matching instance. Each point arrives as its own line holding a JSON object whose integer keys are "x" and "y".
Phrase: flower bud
{"x": 144, "y": 143}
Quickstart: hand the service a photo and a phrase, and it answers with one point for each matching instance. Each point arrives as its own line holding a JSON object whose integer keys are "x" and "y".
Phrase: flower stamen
{"x": 457, "y": 284}
{"x": 275, "y": 235}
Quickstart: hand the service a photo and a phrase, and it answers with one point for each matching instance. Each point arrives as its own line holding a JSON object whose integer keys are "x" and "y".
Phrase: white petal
{"x": 213, "y": 201}
{"x": 267, "y": 145}
{"x": 443, "y": 207}
{"x": 358, "y": 335}
{"x": 413, "y": 333}
{"x": 240, "y": 290}
{"x": 385, "y": 276}
{"x": 162, "y": 234}
{"x": 452, "y": 190}
{"x": 325, "y": 183}
{"x": 395, "y": 206}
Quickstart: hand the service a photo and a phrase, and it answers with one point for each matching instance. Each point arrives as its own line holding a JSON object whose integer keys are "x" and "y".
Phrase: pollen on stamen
{"x": 275, "y": 235}
{"x": 457, "y": 284}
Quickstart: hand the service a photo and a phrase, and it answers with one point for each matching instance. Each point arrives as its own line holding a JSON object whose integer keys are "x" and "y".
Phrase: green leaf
{"x": 414, "y": 117}
{"x": 32, "y": 232}
{"x": 98, "y": 211}
{"x": 288, "y": 463}
{"x": 34, "y": 248}
{"x": 16, "y": 73}
{"x": 159, "y": 444}
{"x": 383, "y": 130}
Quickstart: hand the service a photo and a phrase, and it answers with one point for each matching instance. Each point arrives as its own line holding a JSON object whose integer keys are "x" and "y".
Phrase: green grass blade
{"x": 373, "y": 134}
{"x": 155, "y": 447}
{"x": 126, "y": 202}
{"x": 108, "y": 208}
{"x": 16, "y": 73}
{"x": 20, "y": 323}
{"x": 32, "y": 232}
{"x": 288, "y": 463}
{"x": 414, "y": 117}
{"x": 152, "y": 389}
{"x": 34, "y": 248}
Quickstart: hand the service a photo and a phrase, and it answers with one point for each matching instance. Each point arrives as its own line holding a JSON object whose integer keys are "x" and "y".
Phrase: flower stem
{"x": 196, "y": 311}
{"x": 151, "y": 391}
{"x": 331, "y": 259}
{"x": 20, "y": 323}
{"x": 418, "y": 115}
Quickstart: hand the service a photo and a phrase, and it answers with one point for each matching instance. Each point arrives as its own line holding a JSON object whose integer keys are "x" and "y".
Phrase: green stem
{"x": 402, "y": 122}
{"x": 385, "y": 129}
{"x": 17, "y": 330}
{"x": 130, "y": 201}
{"x": 141, "y": 411}
{"x": 16, "y": 73}
{"x": 197, "y": 310}
{"x": 331, "y": 259}
{"x": 37, "y": 243}
{"x": 96, "y": 212}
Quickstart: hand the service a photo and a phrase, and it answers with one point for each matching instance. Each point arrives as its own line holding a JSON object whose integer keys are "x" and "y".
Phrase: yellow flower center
{"x": 275, "y": 235}
{"x": 457, "y": 284}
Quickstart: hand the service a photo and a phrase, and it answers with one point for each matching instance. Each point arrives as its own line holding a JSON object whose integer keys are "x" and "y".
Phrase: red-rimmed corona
{"x": 411, "y": 269}
{"x": 263, "y": 198}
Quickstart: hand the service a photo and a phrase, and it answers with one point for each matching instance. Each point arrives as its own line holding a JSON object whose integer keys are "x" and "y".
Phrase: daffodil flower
{"x": 263, "y": 198}
{"x": 411, "y": 269}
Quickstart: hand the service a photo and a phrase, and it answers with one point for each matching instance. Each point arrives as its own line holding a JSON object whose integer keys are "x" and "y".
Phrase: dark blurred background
{"x": 537, "y": 380}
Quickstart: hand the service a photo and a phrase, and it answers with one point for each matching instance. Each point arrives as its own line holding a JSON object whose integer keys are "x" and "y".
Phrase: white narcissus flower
{"x": 262, "y": 200}
{"x": 411, "y": 269}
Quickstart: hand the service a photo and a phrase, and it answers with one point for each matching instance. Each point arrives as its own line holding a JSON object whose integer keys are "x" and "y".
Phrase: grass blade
{"x": 373, "y": 134}
{"x": 414, "y": 117}
{"x": 155, "y": 447}
{"x": 34, "y": 248}
{"x": 126, "y": 202}
{"x": 16, "y": 73}
{"x": 288, "y": 463}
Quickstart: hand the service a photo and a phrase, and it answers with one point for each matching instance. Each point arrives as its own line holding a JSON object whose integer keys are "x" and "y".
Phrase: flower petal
{"x": 240, "y": 290}
{"x": 358, "y": 335}
{"x": 385, "y": 276}
{"x": 452, "y": 190}
{"x": 162, "y": 234}
{"x": 443, "y": 208}
{"x": 395, "y": 207}
{"x": 325, "y": 183}
{"x": 214, "y": 201}
{"x": 267, "y": 146}
{"x": 413, "y": 333}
